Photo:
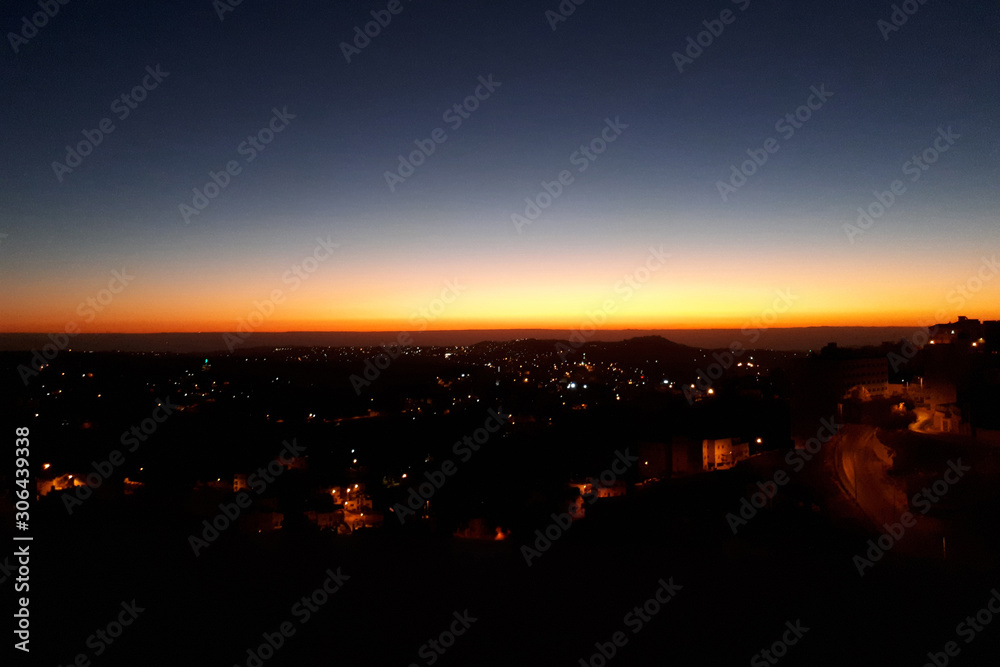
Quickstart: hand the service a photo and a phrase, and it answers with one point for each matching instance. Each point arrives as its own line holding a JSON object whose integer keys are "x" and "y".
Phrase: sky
{"x": 649, "y": 228}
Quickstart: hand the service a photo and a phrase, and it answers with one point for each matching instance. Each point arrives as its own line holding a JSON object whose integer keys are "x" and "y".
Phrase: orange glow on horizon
{"x": 580, "y": 323}
{"x": 618, "y": 289}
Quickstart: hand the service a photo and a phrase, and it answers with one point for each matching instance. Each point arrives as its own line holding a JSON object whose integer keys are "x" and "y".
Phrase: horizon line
{"x": 428, "y": 331}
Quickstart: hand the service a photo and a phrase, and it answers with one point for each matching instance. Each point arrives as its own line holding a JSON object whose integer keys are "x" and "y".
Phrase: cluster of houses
{"x": 687, "y": 456}
{"x": 343, "y": 509}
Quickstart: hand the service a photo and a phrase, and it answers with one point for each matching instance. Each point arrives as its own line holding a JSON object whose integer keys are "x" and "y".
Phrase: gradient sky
{"x": 655, "y": 186}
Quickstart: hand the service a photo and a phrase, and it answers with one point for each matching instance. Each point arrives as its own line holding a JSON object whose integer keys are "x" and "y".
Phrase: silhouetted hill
{"x": 207, "y": 342}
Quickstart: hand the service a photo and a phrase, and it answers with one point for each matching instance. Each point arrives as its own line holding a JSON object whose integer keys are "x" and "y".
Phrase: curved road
{"x": 862, "y": 464}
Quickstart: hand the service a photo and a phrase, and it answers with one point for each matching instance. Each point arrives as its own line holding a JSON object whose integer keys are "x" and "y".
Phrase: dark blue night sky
{"x": 659, "y": 182}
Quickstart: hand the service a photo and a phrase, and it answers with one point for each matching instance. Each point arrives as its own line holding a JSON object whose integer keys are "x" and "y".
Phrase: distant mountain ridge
{"x": 804, "y": 338}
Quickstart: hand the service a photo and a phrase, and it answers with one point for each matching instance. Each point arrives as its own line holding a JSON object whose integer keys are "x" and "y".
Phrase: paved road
{"x": 862, "y": 464}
